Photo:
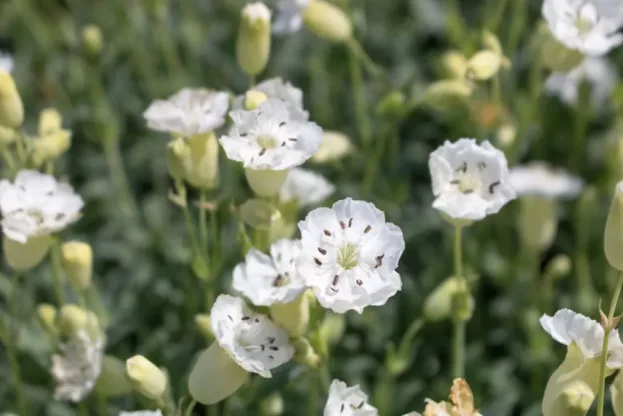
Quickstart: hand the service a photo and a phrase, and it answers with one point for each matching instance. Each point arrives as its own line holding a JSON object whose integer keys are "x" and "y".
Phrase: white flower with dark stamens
{"x": 350, "y": 255}
{"x": 252, "y": 340}
{"x": 77, "y": 367}
{"x": 470, "y": 181}
{"x": 266, "y": 280}
{"x": 36, "y": 205}
{"x": 598, "y": 72}
{"x": 306, "y": 187}
{"x": 289, "y": 16}
{"x": 142, "y": 413}
{"x": 347, "y": 401}
{"x": 588, "y": 26}
{"x": 6, "y": 62}
{"x": 274, "y": 136}
{"x": 540, "y": 180}
{"x": 188, "y": 112}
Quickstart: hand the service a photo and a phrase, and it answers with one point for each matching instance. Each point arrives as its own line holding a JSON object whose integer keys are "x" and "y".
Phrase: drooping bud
{"x": 253, "y": 99}
{"x": 253, "y": 46}
{"x": 334, "y": 146}
{"x": 327, "y": 21}
{"x": 266, "y": 183}
{"x": 538, "y": 223}
{"x": 28, "y": 255}
{"x": 204, "y": 324}
{"x": 483, "y": 65}
{"x": 392, "y": 105}
{"x": 47, "y": 317}
{"x": 77, "y": 262}
{"x": 92, "y": 39}
{"x": 178, "y": 158}
{"x": 613, "y": 236}
{"x": 146, "y": 378}
{"x": 446, "y": 94}
{"x": 73, "y": 318}
{"x": 204, "y": 171}
{"x": 292, "y": 316}
{"x": 454, "y": 64}
{"x": 11, "y": 106}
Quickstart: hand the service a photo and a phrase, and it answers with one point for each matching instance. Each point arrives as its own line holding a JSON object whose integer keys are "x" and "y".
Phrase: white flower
{"x": 256, "y": 11}
{"x": 77, "y": 367}
{"x": 350, "y": 255}
{"x": 266, "y": 280}
{"x": 569, "y": 327}
{"x": 142, "y": 413}
{"x": 589, "y": 26}
{"x": 6, "y": 62}
{"x": 598, "y": 72}
{"x": 252, "y": 340}
{"x": 306, "y": 187}
{"x": 541, "y": 180}
{"x": 289, "y": 16}
{"x": 274, "y": 136}
{"x": 470, "y": 181}
{"x": 35, "y": 205}
{"x": 347, "y": 401}
{"x": 334, "y": 146}
{"x": 188, "y": 112}
{"x": 276, "y": 88}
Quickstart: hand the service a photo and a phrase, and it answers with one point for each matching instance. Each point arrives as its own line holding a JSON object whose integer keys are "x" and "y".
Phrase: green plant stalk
{"x": 604, "y": 347}
{"x": 58, "y": 276}
{"x": 498, "y": 15}
{"x": 203, "y": 222}
{"x": 314, "y": 384}
{"x": 363, "y": 122}
{"x": 119, "y": 176}
{"x": 103, "y": 405}
{"x": 458, "y": 339}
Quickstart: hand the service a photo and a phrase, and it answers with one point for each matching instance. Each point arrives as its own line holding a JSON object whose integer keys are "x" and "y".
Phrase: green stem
{"x": 363, "y": 122}
{"x": 214, "y": 232}
{"x": 251, "y": 81}
{"x": 458, "y": 340}
{"x": 190, "y": 225}
{"x": 582, "y": 117}
{"x": 203, "y": 222}
{"x": 8, "y": 159}
{"x": 498, "y": 14}
{"x": 518, "y": 24}
{"x": 604, "y": 347}
{"x": 57, "y": 274}
{"x": 83, "y": 410}
{"x": 119, "y": 177}
{"x": 103, "y": 404}
{"x": 313, "y": 392}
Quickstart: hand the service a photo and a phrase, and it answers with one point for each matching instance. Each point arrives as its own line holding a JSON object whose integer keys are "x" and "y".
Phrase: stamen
{"x": 327, "y": 233}
{"x": 359, "y": 282}
{"x": 230, "y": 318}
{"x": 468, "y": 191}
{"x": 283, "y": 144}
{"x": 455, "y": 182}
{"x": 246, "y": 318}
{"x": 271, "y": 340}
{"x": 492, "y": 186}
{"x": 342, "y": 225}
{"x": 322, "y": 251}
{"x": 243, "y": 134}
{"x": 481, "y": 165}
{"x": 273, "y": 348}
{"x": 350, "y": 223}
{"x": 335, "y": 279}
{"x": 360, "y": 406}
{"x": 271, "y": 357}
{"x": 342, "y": 408}
{"x": 318, "y": 262}
{"x": 367, "y": 230}
{"x": 262, "y": 152}
{"x": 278, "y": 280}
{"x": 293, "y": 139}
{"x": 463, "y": 168}
{"x": 379, "y": 261}
{"x": 283, "y": 123}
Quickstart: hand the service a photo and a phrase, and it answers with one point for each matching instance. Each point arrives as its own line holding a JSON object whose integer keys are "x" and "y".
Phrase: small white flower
{"x": 274, "y": 136}
{"x": 188, "y": 112}
{"x": 306, "y": 187}
{"x": 6, "y": 62}
{"x": 77, "y": 367}
{"x": 252, "y": 340}
{"x": 256, "y": 11}
{"x": 142, "y": 413}
{"x": 598, "y": 72}
{"x": 541, "y": 180}
{"x": 35, "y": 205}
{"x": 350, "y": 255}
{"x": 589, "y": 26}
{"x": 289, "y": 16}
{"x": 569, "y": 327}
{"x": 276, "y": 88}
{"x": 266, "y": 280}
{"x": 347, "y": 401}
{"x": 470, "y": 181}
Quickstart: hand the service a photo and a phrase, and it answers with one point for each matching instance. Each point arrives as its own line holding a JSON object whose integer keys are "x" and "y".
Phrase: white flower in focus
{"x": 266, "y": 280}
{"x": 289, "y": 16}
{"x": 252, "y": 340}
{"x": 35, "y": 205}
{"x": 7, "y": 63}
{"x": 306, "y": 187}
{"x": 588, "y": 26}
{"x": 347, "y": 401}
{"x": 470, "y": 181}
{"x": 188, "y": 112}
{"x": 350, "y": 255}
{"x": 77, "y": 367}
{"x": 274, "y": 136}
{"x": 142, "y": 413}
{"x": 569, "y": 327}
{"x": 541, "y": 180}
{"x": 598, "y": 72}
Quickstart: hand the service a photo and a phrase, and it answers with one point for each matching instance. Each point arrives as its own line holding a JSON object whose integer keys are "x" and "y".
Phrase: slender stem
{"x": 83, "y": 410}
{"x": 119, "y": 177}
{"x": 57, "y": 274}
{"x": 189, "y": 409}
{"x": 361, "y": 111}
{"x": 103, "y": 404}
{"x": 203, "y": 222}
{"x": 498, "y": 14}
{"x": 497, "y": 90}
{"x": 458, "y": 340}
{"x": 251, "y": 81}
{"x": 8, "y": 159}
{"x": 458, "y": 252}
{"x": 582, "y": 118}
{"x": 190, "y": 225}
{"x": 604, "y": 347}
{"x": 313, "y": 392}
{"x": 214, "y": 232}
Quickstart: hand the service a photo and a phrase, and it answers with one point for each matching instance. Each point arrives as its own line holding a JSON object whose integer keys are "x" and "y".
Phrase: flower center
{"x": 586, "y": 19}
{"x": 468, "y": 183}
{"x": 348, "y": 257}
{"x": 267, "y": 142}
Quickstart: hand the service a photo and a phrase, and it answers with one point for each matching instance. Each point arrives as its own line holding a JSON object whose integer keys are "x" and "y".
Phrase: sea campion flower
{"x": 265, "y": 279}
{"x": 7, "y": 63}
{"x": 188, "y": 112}
{"x": 289, "y": 16}
{"x": 588, "y": 26}
{"x": 470, "y": 180}
{"x": 538, "y": 179}
{"x": 350, "y": 255}
{"x": 78, "y": 366}
{"x": 347, "y": 401}
{"x": 305, "y": 187}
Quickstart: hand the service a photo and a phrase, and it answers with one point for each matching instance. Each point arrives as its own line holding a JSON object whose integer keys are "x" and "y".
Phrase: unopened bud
{"x": 304, "y": 353}
{"x": 259, "y": 214}
{"x": 327, "y": 21}
{"x": 11, "y": 106}
{"x": 92, "y": 39}
{"x": 204, "y": 171}
{"x": 25, "y": 256}
{"x": 77, "y": 262}
{"x": 7, "y": 136}
{"x": 253, "y": 99}
{"x": 50, "y": 121}
{"x": 454, "y": 64}
{"x": 204, "y": 324}
{"x": 266, "y": 183}
{"x": 447, "y": 93}
{"x": 272, "y": 405}
{"x": 253, "y": 46}
{"x": 438, "y": 305}
{"x": 73, "y": 318}
{"x": 292, "y": 316}
{"x": 47, "y": 317}
{"x": 558, "y": 267}
{"x": 483, "y": 65}
{"x": 178, "y": 158}
{"x": 334, "y": 146}
{"x": 51, "y": 147}
{"x": 507, "y": 134}
{"x": 575, "y": 400}
{"x": 491, "y": 42}
{"x": 392, "y": 105}
{"x": 613, "y": 236}
{"x": 146, "y": 378}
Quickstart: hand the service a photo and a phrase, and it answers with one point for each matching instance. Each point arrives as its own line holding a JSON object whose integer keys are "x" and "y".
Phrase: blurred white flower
{"x": 252, "y": 340}
{"x": 7, "y": 63}
{"x": 589, "y": 26}
{"x": 256, "y": 11}
{"x": 77, "y": 367}
{"x": 142, "y": 413}
{"x": 541, "y": 180}
{"x": 598, "y": 72}
{"x": 266, "y": 280}
{"x": 350, "y": 255}
{"x": 347, "y": 401}
{"x": 274, "y": 136}
{"x": 334, "y": 146}
{"x": 188, "y": 112}
{"x": 567, "y": 327}
{"x": 306, "y": 187}
{"x": 470, "y": 181}
{"x": 289, "y": 16}
{"x": 36, "y": 205}
{"x": 276, "y": 88}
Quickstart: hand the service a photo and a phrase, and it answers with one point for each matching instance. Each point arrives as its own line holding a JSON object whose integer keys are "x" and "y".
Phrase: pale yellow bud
{"x": 558, "y": 267}
{"x": 50, "y": 121}
{"x": 204, "y": 324}
{"x": 491, "y": 42}
{"x": 616, "y": 394}
{"x": 52, "y": 146}
{"x": 73, "y": 318}
{"x": 47, "y": 317}
{"x": 146, "y": 378}
{"x": 178, "y": 158}
{"x": 483, "y": 65}
{"x": 11, "y": 106}
{"x": 327, "y": 21}
{"x": 77, "y": 262}
{"x": 304, "y": 353}
{"x": 447, "y": 93}
{"x": 538, "y": 222}
{"x": 253, "y": 45}
{"x": 455, "y": 64}
{"x": 292, "y": 316}
{"x": 272, "y": 405}
{"x": 203, "y": 172}
{"x": 334, "y": 146}
{"x": 266, "y": 183}
{"x": 613, "y": 236}
{"x": 28, "y": 255}
{"x": 575, "y": 400}
{"x": 92, "y": 39}
{"x": 253, "y": 99}
{"x": 507, "y": 133}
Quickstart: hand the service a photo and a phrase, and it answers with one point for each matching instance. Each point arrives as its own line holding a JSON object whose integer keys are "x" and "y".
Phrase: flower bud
{"x": 446, "y": 94}
{"x": 327, "y": 21}
{"x": 11, "y": 106}
{"x": 613, "y": 236}
{"x": 259, "y": 214}
{"x": 575, "y": 400}
{"x": 538, "y": 222}
{"x": 203, "y": 172}
{"x": 253, "y": 99}
{"x": 483, "y": 65}
{"x": 507, "y": 133}
{"x": 50, "y": 121}
{"x": 454, "y": 64}
{"x": 92, "y": 39}
{"x": 112, "y": 381}
{"x": 146, "y": 378}
{"x": 52, "y": 146}
{"x": 392, "y": 105}
{"x": 272, "y": 405}
{"x": 73, "y": 318}
{"x": 47, "y": 317}
{"x": 253, "y": 46}
{"x": 178, "y": 158}
{"x": 491, "y": 42}
{"x": 28, "y": 255}
{"x": 292, "y": 316}
{"x": 77, "y": 262}
{"x": 438, "y": 305}
{"x": 304, "y": 353}
{"x": 555, "y": 55}
{"x": 7, "y": 136}
{"x": 204, "y": 324}
{"x": 334, "y": 146}
{"x": 266, "y": 183}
